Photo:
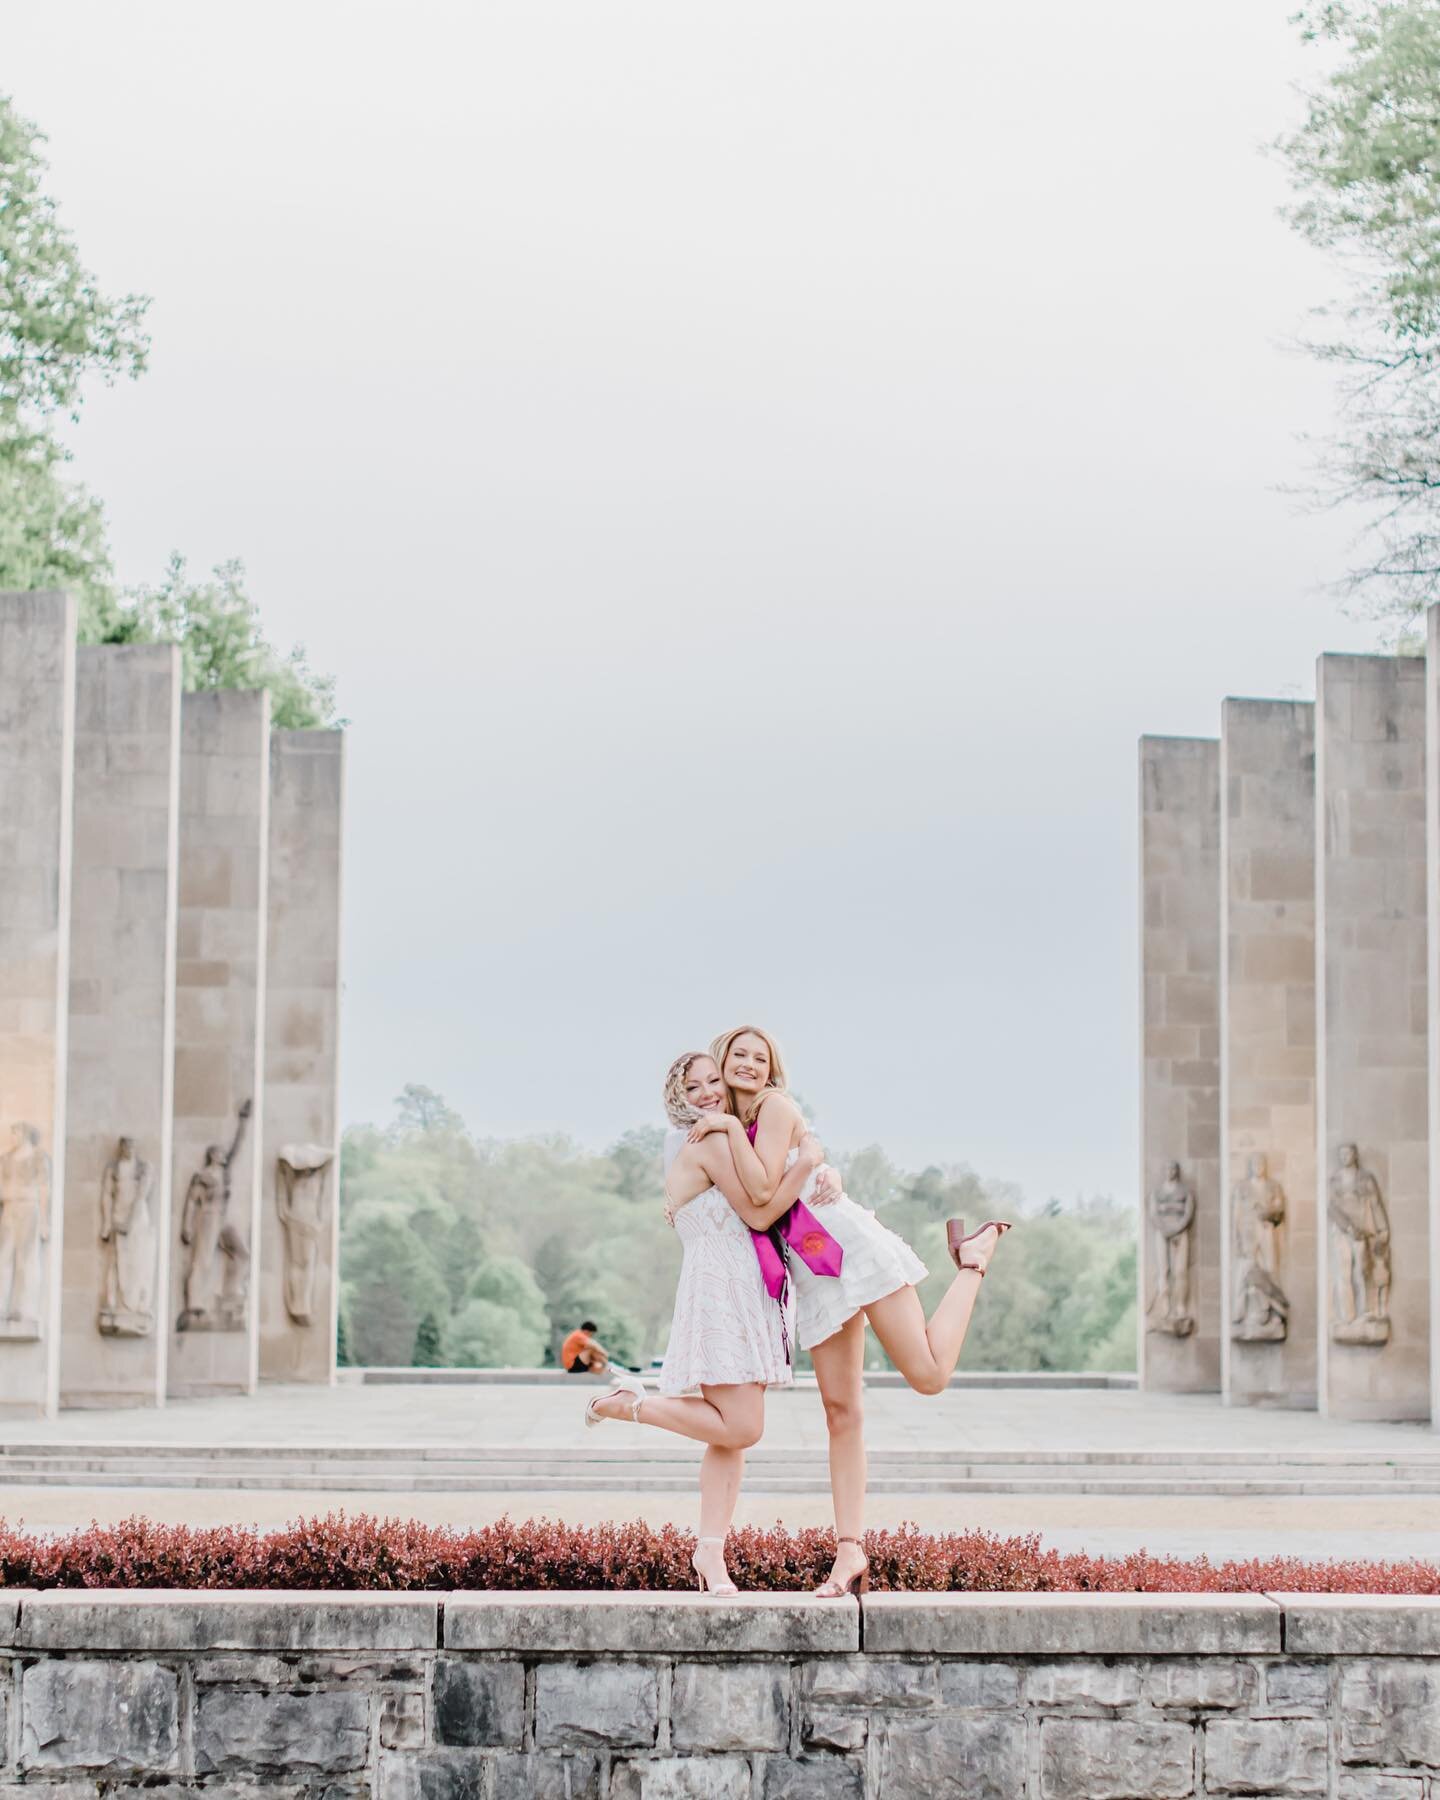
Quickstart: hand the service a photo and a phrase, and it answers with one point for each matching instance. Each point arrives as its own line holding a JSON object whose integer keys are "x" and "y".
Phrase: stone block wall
{"x": 555, "y": 1696}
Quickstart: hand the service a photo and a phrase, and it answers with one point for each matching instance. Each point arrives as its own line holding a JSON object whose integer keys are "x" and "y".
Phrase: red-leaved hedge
{"x": 397, "y": 1554}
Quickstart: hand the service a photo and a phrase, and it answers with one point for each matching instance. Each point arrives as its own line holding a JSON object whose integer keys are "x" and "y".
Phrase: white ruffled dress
{"x": 877, "y": 1262}
{"x": 726, "y": 1329}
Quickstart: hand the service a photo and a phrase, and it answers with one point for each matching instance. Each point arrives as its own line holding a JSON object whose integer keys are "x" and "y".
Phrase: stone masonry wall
{"x": 555, "y": 1696}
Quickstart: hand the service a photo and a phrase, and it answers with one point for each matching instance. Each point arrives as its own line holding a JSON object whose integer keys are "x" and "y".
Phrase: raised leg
{"x": 731, "y": 1417}
{"x": 926, "y": 1354}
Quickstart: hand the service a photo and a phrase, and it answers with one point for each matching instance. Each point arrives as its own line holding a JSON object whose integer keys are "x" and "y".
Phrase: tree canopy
{"x": 1365, "y": 166}
{"x": 58, "y": 331}
{"x": 478, "y": 1252}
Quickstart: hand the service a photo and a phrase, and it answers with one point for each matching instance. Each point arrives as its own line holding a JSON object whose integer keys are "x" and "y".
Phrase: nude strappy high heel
{"x": 858, "y": 1583}
{"x": 956, "y": 1238}
{"x": 621, "y": 1384}
{"x": 721, "y": 1588}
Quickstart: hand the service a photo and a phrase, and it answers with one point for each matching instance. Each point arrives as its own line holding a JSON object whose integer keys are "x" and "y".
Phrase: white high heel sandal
{"x": 620, "y": 1384}
{"x": 721, "y": 1588}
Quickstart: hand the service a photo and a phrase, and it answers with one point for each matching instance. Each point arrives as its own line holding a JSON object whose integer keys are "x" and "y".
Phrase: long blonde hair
{"x": 721, "y": 1048}
{"x": 678, "y": 1109}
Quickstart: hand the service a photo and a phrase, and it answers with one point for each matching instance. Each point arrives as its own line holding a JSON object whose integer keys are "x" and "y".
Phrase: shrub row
{"x": 363, "y": 1552}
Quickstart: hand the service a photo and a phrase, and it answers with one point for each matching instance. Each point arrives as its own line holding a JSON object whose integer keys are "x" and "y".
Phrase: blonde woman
{"x": 876, "y": 1281}
{"x": 729, "y": 1338}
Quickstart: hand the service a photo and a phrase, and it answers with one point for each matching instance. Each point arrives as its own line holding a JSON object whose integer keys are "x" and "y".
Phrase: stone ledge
{"x": 153, "y": 1620}
{"x": 225, "y": 1619}
{"x": 1070, "y": 1624}
{"x": 1360, "y": 1624}
{"x": 650, "y": 1624}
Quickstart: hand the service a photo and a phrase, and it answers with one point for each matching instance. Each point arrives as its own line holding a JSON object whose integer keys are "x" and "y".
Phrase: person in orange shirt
{"x": 583, "y": 1354}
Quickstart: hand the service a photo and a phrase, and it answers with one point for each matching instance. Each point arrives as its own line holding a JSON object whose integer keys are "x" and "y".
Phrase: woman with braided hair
{"x": 729, "y": 1338}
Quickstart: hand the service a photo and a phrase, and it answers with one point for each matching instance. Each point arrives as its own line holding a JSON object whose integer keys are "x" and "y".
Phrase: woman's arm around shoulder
{"x": 719, "y": 1165}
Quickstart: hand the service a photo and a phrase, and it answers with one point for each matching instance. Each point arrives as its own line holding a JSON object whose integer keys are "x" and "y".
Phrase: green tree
{"x": 390, "y": 1283}
{"x": 56, "y": 327}
{"x": 427, "y": 1352}
{"x": 342, "y": 1341}
{"x": 52, "y": 532}
{"x": 217, "y": 626}
{"x": 1365, "y": 166}
{"x": 57, "y": 330}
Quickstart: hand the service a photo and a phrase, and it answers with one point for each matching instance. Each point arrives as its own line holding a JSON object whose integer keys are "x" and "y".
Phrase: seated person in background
{"x": 583, "y": 1354}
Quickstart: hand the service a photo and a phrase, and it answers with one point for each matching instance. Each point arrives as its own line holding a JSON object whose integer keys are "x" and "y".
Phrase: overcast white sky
{"x": 754, "y": 470}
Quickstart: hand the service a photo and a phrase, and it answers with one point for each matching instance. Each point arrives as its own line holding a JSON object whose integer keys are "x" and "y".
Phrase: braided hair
{"x": 678, "y": 1109}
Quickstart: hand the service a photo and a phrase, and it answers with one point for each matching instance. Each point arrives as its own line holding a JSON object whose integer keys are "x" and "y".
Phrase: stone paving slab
{"x": 522, "y": 1417}
{"x": 1072, "y": 1624}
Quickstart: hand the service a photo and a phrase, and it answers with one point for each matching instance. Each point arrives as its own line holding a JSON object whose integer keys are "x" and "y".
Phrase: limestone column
{"x": 1267, "y": 1050}
{"x": 114, "y": 1304}
{"x": 300, "y": 1173}
{"x": 219, "y": 1041}
{"x": 1372, "y": 1099}
{"x": 1180, "y": 1306}
{"x": 37, "y": 742}
{"x": 1432, "y": 886}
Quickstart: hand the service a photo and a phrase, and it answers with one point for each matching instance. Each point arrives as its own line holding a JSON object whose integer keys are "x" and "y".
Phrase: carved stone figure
{"x": 217, "y": 1266}
{"x": 1360, "y": 1250}
{"x": 127, "y": 1232}
{"x": 1261, "y": 1312}
{"x": 24, "y": 1228}
{"x": 1172, "y": 1219}
{"x": 301, "y": 1189}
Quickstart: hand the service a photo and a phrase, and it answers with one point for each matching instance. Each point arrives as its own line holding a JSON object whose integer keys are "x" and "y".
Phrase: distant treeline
{"x": 461, "y": 1251}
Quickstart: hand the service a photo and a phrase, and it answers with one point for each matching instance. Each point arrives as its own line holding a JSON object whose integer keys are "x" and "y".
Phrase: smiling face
{"x": 748, "y": 1063}
{"x": 704, "y": 1085}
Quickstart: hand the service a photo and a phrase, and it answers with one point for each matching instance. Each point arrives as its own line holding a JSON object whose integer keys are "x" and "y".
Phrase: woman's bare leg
{"x": 926, "y": 1354}
{"x": 731, "y": 1417}
{"x": 728, "y": 1420}
{"x": 839, "y": 1373}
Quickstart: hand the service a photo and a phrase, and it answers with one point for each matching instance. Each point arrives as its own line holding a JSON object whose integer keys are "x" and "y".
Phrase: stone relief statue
{"x": 217, "y": 1261}
{"x": 1261, "y": 1311}
{"x": 1172, "y": 1220}
{"x": 127, "y": 1234}
{"x": 301, "y": 1189}
{"x": 1360, "y": 1253}
{"x": 24, "y": 1229}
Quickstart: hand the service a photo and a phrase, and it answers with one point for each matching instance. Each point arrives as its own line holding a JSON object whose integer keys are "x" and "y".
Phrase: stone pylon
{"x": 37, "y": 739}
{"x": 1179, "y": 1265}
{"x": 219, "y": 1041}
{"x": 115, "y": 1309}
{"x": 300, "y": 1174}
{"x": 1267, "y": 1053}
{"x": 1372, "y": 1097}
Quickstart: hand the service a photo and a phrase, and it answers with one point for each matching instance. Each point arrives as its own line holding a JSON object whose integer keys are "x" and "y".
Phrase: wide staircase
{"x": 632, "y": 1468}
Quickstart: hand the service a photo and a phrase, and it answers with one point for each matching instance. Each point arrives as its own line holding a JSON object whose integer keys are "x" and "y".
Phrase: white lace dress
{"x": 726, "y": 1328}
{"x": 877, "y": 1262}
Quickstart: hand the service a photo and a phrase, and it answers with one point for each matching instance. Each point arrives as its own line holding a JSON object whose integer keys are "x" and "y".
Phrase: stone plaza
{"x": 169, "y": 1008}
{"x": 1290, "y": 966}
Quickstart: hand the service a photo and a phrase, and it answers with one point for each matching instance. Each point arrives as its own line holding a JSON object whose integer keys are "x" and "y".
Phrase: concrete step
{"x": 617, "y": 1449}
{"x": 675, "y": 1481}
